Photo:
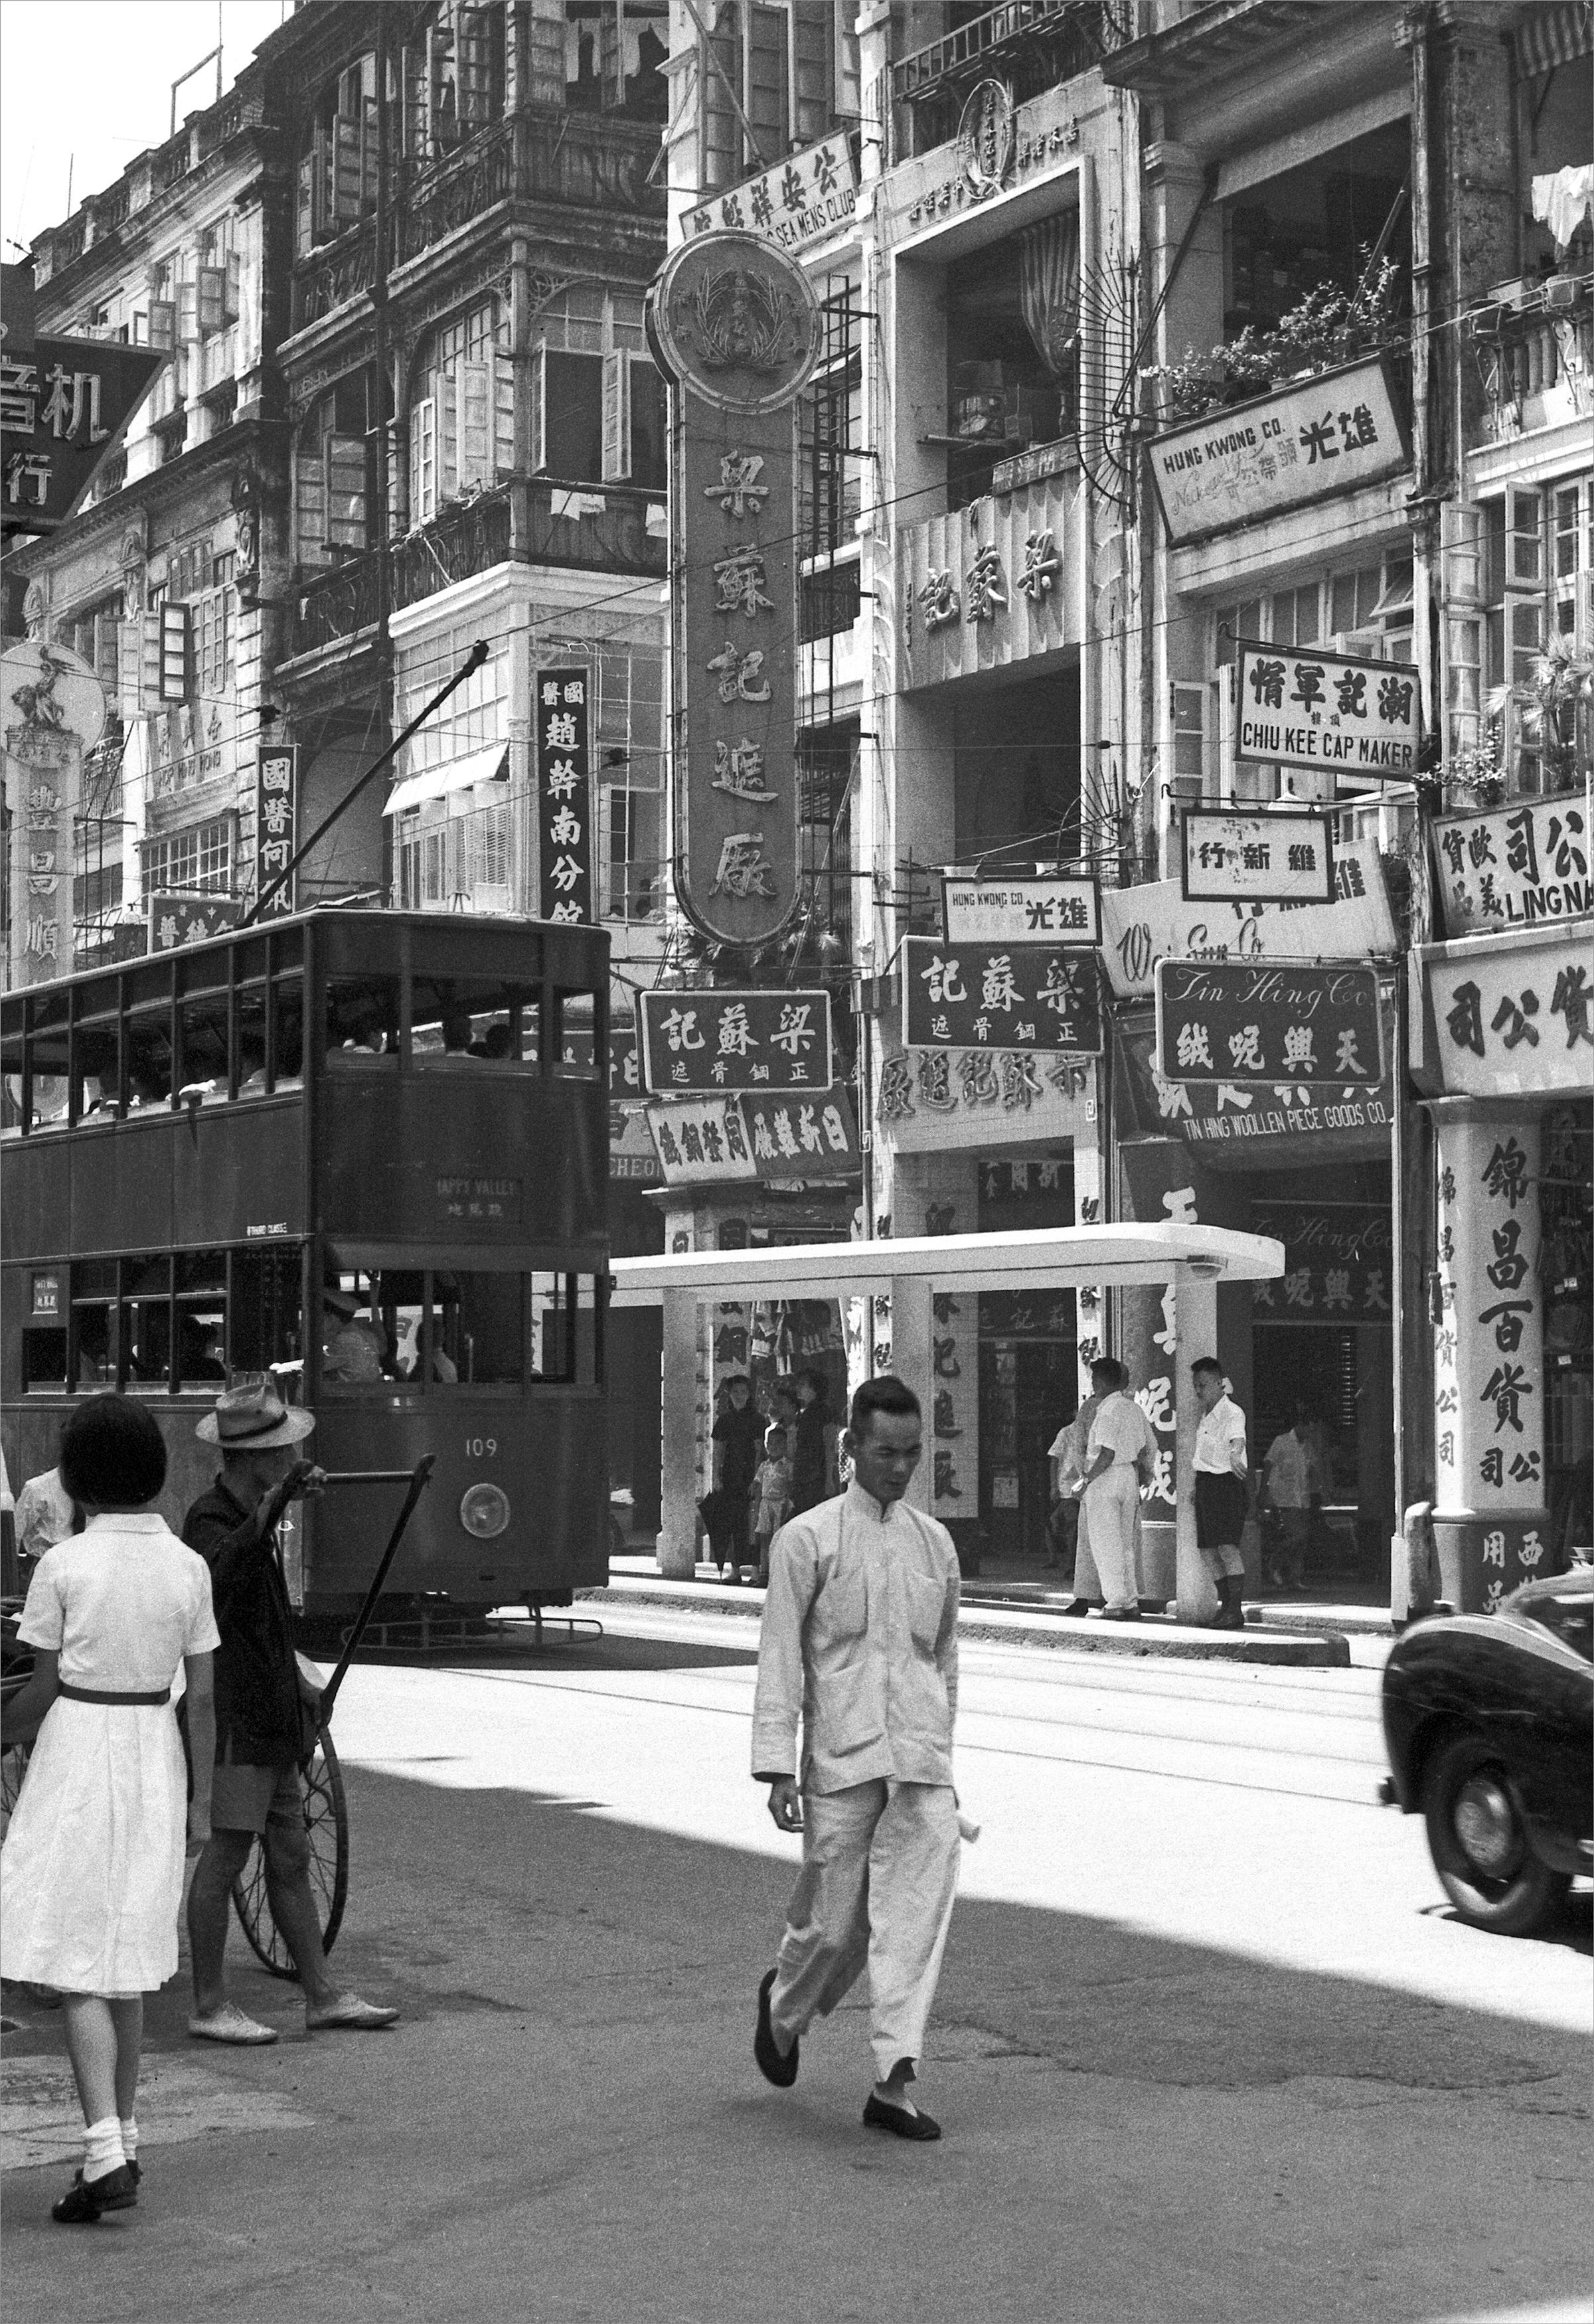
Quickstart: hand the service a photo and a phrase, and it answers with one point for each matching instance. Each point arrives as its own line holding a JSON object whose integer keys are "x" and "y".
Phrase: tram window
{"x": 149, "y": 1059}
{"x": 363, "y": 1021}
{"x": 202, "y": 1052}
{"x": 455, "y": 1018}
{"x": 94, "y": 1314}
{"x": 39, "y": 1293}
{"x": 564, "y": 1345}
{"x": 146, "y": 1322}
{"x": 354, "y": 1346}
{"x": 571, "y": 1035}
{"x": 50, "y": 1056}
{"x": 201, "y": 1317}
{"x": 13, "y": 1054}
{"x": 478, "y": 1329}
{"x": 265, "y": 1309}
{"x": 252, "y": 1040}
{"x": 96, "y": 1068}
{"x": 44, "y": 1358}
{"x": 287, "y": 994}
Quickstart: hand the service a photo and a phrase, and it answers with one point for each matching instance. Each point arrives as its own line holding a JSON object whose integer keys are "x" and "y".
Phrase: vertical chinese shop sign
{"x": 563, "y": 793}
{"x": 276, "y": 820}
{"x": 735, "y": 328}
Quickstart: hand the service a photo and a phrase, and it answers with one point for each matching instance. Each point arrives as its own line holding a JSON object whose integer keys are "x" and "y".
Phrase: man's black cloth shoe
{"x": 1079, "y": 1606}
{"x": 879, "y": 2116}
{"x": 86, "y": 2198}
{"x": 780, "y": 2071}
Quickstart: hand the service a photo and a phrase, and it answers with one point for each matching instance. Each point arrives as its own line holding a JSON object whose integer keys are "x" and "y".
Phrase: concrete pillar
{"x": 910, "y": 1360}
{"x": 1195, "y": 1333}
{"x": 677, "y": 1540}
{"x": 1488, "y": 1354}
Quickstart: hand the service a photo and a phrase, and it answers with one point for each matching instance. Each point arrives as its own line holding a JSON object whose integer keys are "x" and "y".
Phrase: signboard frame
{"x": 1300, "y": 1073}
{"x": 652, "y": 1011}
{"x": 1250, "y": 654}
{"x": 1086, "y": 996}
{"x": 1083, "y": 887}
{"x": 1277, "y": 827}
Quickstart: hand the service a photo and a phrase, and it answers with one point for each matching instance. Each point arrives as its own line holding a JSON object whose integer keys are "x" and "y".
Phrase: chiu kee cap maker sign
{"x": 734, "y": 325}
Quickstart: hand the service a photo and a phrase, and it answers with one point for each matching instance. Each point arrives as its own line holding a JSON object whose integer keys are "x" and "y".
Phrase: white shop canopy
{"x": 458, "y": 775}
{"x": 1048, "y": 1259}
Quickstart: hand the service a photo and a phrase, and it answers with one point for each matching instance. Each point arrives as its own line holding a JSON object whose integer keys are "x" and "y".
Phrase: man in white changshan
{"x": 859, "y": 1637}
{"x": 1119, "y": 1455}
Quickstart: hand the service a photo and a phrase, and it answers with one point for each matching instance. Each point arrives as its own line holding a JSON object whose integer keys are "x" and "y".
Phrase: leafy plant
{"x": 1327, "y": 328}
{"x": 1555, "y": 703}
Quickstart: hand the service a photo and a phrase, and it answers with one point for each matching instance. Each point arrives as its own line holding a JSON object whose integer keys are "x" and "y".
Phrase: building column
{"x": 912, "y": 1297}
{"x": 1195, "y": 1334}
{"x": 1488, "y": 1354}
{"x": 676, "y": 1550}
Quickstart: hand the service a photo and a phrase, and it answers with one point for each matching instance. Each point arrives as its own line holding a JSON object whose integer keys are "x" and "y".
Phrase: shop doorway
{"x": 1342, "y": 1376}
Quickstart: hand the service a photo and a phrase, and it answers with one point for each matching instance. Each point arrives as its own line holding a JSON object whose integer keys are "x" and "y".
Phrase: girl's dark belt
{"x": 99, "y": 1694}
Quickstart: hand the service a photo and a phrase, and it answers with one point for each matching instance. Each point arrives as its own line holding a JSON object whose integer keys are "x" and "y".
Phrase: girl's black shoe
{"x": 86, "y": 2198}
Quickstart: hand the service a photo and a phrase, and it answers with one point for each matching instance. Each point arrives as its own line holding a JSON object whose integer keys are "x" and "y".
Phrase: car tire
{"x": 1479, "y": 1844}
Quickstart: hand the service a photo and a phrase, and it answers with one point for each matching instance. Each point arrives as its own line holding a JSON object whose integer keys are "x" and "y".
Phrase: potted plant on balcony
{"x": 1326, "y": 328}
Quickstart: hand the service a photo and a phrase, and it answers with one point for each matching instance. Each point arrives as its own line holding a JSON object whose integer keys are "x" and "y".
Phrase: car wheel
{"x": 1479, "y": 1844}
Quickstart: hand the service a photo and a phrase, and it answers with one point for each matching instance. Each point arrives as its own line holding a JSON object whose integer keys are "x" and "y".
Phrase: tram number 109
{"x": 480, "y": 1448}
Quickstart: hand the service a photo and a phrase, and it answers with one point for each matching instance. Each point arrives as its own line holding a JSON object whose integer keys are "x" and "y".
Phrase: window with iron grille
{"x": 831, "y": 419}
{"x": 827, "y": 756}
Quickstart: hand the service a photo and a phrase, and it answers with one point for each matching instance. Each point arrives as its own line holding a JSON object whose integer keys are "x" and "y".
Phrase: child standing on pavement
{"x": 91, "y": 1875}
{"x": 771, "y": 1489}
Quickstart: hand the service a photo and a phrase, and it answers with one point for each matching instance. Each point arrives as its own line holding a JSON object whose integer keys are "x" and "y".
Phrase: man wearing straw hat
{"x": 257, "y": 1792}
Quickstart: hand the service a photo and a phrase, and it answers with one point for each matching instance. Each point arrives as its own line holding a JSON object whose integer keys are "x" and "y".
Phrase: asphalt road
{"x": 1208, "y": 2044}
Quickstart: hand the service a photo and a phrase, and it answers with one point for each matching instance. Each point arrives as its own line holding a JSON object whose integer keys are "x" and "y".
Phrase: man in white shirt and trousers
{"x": 1221, "y": 1475}
{"x": 860, "y": 1634}
{"x": 1119, "y": 1454}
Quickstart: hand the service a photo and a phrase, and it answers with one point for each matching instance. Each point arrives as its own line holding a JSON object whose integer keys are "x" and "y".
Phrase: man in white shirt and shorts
{"x": 1220, "y": 1495}
{"x": 1119, "y": 1451}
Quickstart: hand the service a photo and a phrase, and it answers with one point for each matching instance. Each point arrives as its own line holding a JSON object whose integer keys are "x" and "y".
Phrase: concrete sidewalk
{"x": 636, "y": 1582}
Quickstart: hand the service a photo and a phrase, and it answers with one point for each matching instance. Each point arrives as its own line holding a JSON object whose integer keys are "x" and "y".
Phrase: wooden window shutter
{"x": 423, "y": 461}
{"x": 616, "y": 417}
{"x": 188, "y": 308}
{"x": 539, "y": 401}
{"x": 150, "y": 696}
{"x": 769, "y": 98}
{"x": 504, "y": 414}
{"x": 305, "y": 208}
{"x": 129, "y": 667}
{"x": 473, "y": 424}
{"x": 309, "y": 504}
{"x": 213, "y": 300}
{"x": 345, "y": 491}
{"x": 445, "y": 404}
{"x": 176, "y": 652}
{"x": 722, "y": 132}
{"x": 232, "y": 295}
{"x": 106, "y": 644}
{"x": 163, "y": 324}
{"x": 813, "y": 35}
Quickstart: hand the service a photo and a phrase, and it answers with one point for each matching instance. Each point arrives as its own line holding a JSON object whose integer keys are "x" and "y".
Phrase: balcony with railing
{"x": 1535, "y": 356}
{"x": 598, "y": 162}
{"x": 1032, "y": 44}
{"x": 530, "y": 520}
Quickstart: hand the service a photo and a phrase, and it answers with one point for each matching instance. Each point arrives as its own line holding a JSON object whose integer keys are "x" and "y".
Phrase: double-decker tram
{"x": 367, "y": 1151}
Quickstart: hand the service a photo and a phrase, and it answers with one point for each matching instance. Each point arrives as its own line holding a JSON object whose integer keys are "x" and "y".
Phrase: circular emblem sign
{"x": 734, "y": 318}
{"x": 985, "y": 137}
{"x": 48, "y": 689}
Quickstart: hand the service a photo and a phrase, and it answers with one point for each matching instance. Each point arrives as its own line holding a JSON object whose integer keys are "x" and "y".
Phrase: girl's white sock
{"x": 129, "y": 2138}
{"x": 102, "y": 2149}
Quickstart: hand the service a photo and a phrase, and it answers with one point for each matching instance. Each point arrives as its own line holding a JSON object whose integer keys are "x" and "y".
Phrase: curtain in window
{"x": 1048, "y": 258}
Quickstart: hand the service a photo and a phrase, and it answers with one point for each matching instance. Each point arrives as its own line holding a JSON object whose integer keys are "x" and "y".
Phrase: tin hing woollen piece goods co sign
{"x": 1303, "y": 443}
{"x": 735, "y": 328}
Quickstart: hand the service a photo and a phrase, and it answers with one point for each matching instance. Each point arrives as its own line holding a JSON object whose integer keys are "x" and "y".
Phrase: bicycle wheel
{"x": 327, "y": 1826}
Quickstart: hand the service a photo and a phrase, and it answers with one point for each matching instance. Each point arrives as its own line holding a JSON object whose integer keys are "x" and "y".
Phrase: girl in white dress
{"x": 91, "y": 1872}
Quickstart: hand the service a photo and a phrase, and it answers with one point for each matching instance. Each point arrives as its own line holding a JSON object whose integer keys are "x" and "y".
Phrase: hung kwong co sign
{"x": 735, "y": 328}
{"x": 1301, "y": 444}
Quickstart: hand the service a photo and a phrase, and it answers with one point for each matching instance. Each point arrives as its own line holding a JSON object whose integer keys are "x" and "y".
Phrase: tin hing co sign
{"x": 1276, "y": 1021}
{"x": 1304, "y": 443}
{"x": 736, "y": 328}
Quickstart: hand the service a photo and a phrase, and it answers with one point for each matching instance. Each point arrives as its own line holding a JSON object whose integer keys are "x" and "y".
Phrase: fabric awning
{"x": 476, "y": 767}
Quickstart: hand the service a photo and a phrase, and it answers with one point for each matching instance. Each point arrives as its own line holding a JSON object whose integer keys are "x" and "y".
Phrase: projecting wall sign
{"x": 734, "y": 325}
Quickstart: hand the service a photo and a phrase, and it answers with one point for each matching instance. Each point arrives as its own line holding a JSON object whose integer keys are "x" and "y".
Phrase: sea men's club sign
{"x": 1304, "y": 443}
{"x": 563, "y": 793}
{"x": 806, "y": 198}
{"x": 984, "y": 996}
{"x": 1298, "y": 706}
{"x": 1263, "y": 859}
{"x": 716, "y": 1040}
{"x": 735, "y": 328}
{"x": 1276, "y": 1021}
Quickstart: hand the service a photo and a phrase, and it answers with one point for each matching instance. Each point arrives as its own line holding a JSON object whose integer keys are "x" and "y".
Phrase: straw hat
{"x": 255, "y": 1419}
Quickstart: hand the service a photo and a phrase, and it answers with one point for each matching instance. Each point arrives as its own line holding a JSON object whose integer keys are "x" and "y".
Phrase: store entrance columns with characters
{"x": 1191, "y": 1259}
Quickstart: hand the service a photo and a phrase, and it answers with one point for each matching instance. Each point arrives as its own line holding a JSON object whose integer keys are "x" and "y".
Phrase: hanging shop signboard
{"x": 176, "y": 920}
{"x": 1041, "y": 910}
{"x": 1339, "y": 1263}
{"x": 563, "y": 793}
{"x": 1515, "y": 866}
{"x": 809, "y": 196}
{"x": 1270, "y": 858}
{"x": 983, "y": 996}
{"x": 701, "y": 1141}
{"x": 715, "y": 1039}
{"x": 276, "y": 824}
{"x": 1299, "y": 707}
{"x": 1507, "y": 1016}
{"x": 802, "y": 1136}
{"x": 735, "y": 328}
{"x": 43, "y": 784}
{"x": 1141, "y": 926}
{"x": 64, "y": 407}
{"x": 1241, "y": 1022}
{"x": 931, "y": 1101}
{"x": 1303, "y": 443}
{"x": 1283, "y": 1119}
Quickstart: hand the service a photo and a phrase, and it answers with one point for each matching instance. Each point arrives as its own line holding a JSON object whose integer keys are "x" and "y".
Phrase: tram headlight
{"x": 484, "y": 1511}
